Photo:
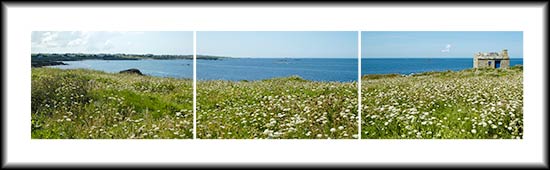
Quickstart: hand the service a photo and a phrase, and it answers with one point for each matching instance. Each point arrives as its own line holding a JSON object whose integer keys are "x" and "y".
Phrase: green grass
{"x": 278, "y": 108}
{"x": 82, "y": 104}
{"x": 469, "y": 104}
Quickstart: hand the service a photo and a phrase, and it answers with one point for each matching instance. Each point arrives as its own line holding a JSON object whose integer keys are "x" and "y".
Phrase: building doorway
{"x": 497, "y": 64}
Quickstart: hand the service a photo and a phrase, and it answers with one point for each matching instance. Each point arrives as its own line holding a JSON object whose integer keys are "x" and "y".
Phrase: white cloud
{"x": 77, "y": 42}
{"x": 108, "y": 45}
{"x": 49, "y": 39}
{"x": 447, "y": 49}
{"x": 74, "y": 41}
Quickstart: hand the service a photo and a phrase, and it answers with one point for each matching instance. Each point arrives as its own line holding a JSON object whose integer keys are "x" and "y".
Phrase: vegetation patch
{"x": 80, "y": 104}
{"x": 468, "y": 104}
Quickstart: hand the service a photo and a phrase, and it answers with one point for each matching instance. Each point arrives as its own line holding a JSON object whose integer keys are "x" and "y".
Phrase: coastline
{"x": 41, "y": 59}
{"x": 421, "y": 73}
{"x": 295, "y": 77}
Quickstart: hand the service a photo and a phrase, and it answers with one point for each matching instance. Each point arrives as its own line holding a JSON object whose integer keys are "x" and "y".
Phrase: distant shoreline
{"x": 52, "y": 59}
{"x": 390, "y": 75}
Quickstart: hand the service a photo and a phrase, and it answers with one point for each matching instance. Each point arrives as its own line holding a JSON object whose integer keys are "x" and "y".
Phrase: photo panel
{"x": 112, "y": 85}
{"x": 277, "y": 85}
{"x": 442, "y": 84}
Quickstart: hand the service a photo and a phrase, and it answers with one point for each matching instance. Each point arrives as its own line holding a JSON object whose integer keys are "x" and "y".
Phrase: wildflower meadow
{"x": 278, "y": 108}
{"x": 86, "y": 104}
{"x": 468, "y": 104}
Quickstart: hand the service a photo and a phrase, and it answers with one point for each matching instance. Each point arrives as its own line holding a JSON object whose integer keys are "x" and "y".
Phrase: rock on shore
{"x": 132, "y": 71}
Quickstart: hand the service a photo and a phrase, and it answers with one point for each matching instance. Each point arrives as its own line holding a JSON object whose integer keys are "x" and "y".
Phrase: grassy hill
{"x": 468, "y": 104}
{"x": 278, "y": 108}
{"x": 93, "y": 104}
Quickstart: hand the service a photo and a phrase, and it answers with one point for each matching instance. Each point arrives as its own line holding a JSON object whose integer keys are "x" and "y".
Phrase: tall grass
{"x": 278, "y": 108}
{"x": 469, "y": 104}
{"x": 82, "y": 104}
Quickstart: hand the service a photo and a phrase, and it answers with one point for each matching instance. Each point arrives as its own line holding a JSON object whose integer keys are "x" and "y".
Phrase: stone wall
{"x": 484, "y": 63}
{"x": 481, "y": 60}
{"x": 504, "y": 63}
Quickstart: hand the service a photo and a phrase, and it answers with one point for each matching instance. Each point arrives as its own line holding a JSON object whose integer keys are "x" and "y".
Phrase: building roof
{"x": 490, "y": 55}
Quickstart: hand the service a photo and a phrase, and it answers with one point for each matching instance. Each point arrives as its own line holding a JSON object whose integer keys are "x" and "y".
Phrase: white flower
{"x": 333, "y": 130}
{"x": 341, "y": 128}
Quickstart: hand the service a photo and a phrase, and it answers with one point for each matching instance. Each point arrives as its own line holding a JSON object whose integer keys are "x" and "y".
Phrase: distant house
{"x": 492, "y": 60}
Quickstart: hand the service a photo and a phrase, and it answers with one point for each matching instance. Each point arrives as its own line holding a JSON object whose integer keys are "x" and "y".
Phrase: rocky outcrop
{"x": 46, "y": 63}
{"x": 132, "y": 71}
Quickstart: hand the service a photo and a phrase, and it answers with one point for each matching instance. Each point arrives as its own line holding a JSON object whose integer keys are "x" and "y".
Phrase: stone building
{"x": 492, "y": 60}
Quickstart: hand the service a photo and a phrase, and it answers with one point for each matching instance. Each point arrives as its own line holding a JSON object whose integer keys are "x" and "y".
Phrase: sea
{"x": 343, "y": 70}
{"x": 250, "y": 69}
{"x": 418, "y": 65}
{"x": 161, "y": 68}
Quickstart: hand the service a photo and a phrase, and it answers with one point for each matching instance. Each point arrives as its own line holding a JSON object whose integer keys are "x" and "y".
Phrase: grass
{"x": 468, "y": 104}
{"x": 278, "y": 108}
{"x": 82, "y": 104}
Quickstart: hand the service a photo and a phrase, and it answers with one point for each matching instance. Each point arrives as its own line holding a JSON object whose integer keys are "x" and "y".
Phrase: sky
{"x": 439, "y": 44}
{"x": 133, "y": 42}
{"x": 278, "y": 44}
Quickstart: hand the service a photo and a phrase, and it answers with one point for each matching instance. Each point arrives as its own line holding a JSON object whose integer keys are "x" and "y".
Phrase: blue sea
{"x": 160, "y": 68}
{"x": 343, "y": 70}
{"x": 418, "y": 65}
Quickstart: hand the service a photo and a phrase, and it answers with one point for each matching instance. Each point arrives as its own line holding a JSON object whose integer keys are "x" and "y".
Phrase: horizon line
{"x": 178, "y": 54}
{"x": 362, "y": 57}
{"x": 101, "y": 53}
{"x": 425, "y": 57}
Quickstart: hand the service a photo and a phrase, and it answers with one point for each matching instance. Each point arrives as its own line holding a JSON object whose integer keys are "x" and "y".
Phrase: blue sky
{"x": 440, "y": 44}
{"x": 133, "y": 42}
{"x": 278, "y": 44}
